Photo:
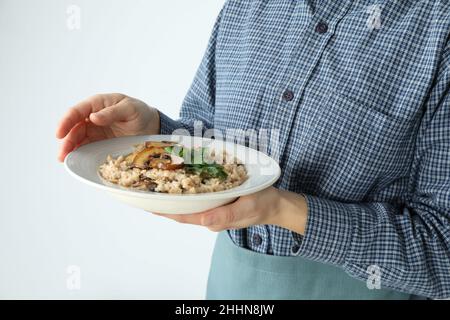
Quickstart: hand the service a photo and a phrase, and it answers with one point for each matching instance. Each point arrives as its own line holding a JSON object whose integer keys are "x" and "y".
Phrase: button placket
{"x": 314, "y": 45}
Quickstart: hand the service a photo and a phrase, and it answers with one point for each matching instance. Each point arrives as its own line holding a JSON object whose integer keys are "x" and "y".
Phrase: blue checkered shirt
{"x": 359, "y": 92}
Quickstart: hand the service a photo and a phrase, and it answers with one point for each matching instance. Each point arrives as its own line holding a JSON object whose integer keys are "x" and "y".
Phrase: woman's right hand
{"x": 105, "y": 116}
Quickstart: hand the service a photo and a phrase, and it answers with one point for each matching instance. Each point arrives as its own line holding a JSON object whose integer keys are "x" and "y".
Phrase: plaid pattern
{"x": 366, "y": 137}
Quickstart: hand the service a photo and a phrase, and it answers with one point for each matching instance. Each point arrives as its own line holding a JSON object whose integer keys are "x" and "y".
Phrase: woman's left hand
{"x": 270, "y": 206}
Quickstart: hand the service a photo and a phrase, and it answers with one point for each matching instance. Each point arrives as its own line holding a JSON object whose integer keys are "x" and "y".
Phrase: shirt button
{"x": 321, "y": 27}
{"x": 288, "y": 95}
{"x": 257, "y": 240}
{"x": 295, "y": 248}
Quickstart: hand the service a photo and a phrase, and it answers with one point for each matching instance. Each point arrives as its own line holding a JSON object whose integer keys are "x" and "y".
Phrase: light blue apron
{"x": 238, "y": 273}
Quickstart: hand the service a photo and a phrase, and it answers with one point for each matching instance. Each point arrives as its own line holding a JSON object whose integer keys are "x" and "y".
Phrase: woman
{"x": 359, "y": 95}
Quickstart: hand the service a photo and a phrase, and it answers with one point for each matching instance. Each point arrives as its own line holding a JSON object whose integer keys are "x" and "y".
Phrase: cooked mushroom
{"x": 159, "y": 144}
{"x": 130, "y": 158}
{"x": 143, "y": 158}
{"x": 154, "y": 156}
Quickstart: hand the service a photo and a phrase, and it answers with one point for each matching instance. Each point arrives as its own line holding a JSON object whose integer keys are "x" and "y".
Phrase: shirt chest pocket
{"x": 351, "y": 149}
{"x": 389, "y": 67}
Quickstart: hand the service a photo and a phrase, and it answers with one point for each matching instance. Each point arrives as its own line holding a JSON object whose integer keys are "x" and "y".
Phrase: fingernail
{"x": 95, "y": 115}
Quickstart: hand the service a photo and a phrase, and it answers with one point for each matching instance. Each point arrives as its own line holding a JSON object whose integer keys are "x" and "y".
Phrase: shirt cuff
{"x": 328, "y": 232}
{"x": 168, "y": 125}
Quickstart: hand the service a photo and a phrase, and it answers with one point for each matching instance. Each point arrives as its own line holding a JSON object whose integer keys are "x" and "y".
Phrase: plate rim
{"x": 230, "y": 193}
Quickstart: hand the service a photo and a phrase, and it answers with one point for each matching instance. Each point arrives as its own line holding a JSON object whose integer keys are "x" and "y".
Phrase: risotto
{"x": 162, "y": 167}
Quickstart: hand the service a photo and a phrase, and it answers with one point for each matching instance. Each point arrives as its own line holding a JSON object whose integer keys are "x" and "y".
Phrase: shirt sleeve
{"x": 408, "y": 242}
{"x": 198, "y": 106}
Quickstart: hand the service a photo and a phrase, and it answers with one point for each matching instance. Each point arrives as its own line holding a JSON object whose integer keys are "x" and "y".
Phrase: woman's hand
{"x": 270, "y": 206}
{"x": 105, "y": 116}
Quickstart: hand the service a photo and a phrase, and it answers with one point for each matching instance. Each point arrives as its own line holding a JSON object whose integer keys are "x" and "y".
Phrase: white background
{"x": 48, "y": 221}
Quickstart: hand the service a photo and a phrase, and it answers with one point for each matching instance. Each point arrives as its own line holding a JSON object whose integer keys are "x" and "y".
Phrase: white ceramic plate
{"x": 83, "y": 164}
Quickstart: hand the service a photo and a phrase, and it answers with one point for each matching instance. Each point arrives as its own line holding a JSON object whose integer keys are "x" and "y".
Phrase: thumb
{"x": 112, "y": 114}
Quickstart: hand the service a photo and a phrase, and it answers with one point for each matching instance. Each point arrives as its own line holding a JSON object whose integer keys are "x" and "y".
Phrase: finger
{"x": 122, "y": 111}
{"x": 195, "y": 218}
{"x": 71, "y": 141}
{"x": 77, "y": 114}
{"x": 83, "y": 133}
{"x": 82, "y": 110}
{"x": 217, "y": 228}
{"x": 223, "y": 216}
